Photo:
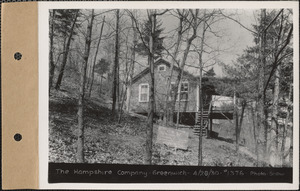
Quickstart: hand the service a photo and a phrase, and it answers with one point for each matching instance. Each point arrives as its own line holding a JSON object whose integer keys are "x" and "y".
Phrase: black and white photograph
{"x": 171, "y": 87}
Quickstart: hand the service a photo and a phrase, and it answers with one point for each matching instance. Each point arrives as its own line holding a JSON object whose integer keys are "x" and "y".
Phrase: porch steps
{"x": 205, "y": 115}
{"x": 197, "y": 130}
{"x": 197, "y": 127}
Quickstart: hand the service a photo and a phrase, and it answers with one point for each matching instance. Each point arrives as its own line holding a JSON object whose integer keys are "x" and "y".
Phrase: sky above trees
{"x": 234, "y": 38}
{"x": 230, "y": 38}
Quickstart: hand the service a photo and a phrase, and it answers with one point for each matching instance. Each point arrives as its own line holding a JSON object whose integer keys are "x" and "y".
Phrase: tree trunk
{"x": 254, "y": 115}
{"x": 285, "y": 129}
{"x": 265, "y": 110}
{"x": 128, "y": 72}
{"x": 66, "y": 52}
{"x": 116, "y": 63}
{"x": 123, "y": 97}
{"x": 261, "y": 120}
{"x": 200, "y": 144}
{"x": 131, "y": 70}
{"x": 118, "y": 94}
{"x": 274, "y": 123}
{"x": 125, "y": 83}
{"x": 240, "y": 123}
{"x": 169, "y": 90}
{"x": 236, "y": 119}
{"x": 80, "y": 140}
{"x": 52, "y": 65}
{"x": 274, "y": 153}
{"x": 179, "y": 100}
{"x": 185, "y": 55}
{"x": 122, "y": 104}
{"x": 148, "y": 157}
{"x": 95, "y": 57}
{"x": 201, "y": 116}
{"x": 100, "y": 85}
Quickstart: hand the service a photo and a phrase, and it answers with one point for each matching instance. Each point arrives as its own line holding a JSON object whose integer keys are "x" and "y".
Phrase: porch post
{"x": 210, "y": 128}
{"x": 197, "y": 105}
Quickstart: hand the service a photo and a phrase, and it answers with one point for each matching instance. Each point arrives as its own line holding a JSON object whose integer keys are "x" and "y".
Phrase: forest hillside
{"x": 243, "y": 55}
{"x": 107, "y": 141}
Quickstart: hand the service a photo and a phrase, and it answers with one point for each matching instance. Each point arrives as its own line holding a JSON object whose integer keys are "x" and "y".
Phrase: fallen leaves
{"x": 106, "y": 141}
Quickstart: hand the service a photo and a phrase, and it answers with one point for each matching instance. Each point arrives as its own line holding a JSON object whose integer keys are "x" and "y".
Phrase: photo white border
{"x": 43, "y": 8}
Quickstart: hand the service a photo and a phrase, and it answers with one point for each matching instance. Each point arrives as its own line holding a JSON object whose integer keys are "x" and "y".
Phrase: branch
{"x": 272, "y": 21}
{"x": 287, "y": 41}
{"x": 158, "y": 14}
{"x": 96, "y": 15}
{"x": 238, "y": 23}
{"x": 174, "y": 59}
{"x": 140, "y": 33}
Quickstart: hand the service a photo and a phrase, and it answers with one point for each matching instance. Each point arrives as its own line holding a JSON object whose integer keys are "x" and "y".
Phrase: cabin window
{"x": 184, "y": 92}
{"x": 144, "y": 93}
{"x": 162, "y": 68}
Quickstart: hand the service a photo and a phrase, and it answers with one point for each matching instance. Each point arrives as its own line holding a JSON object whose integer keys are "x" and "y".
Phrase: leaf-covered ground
{"x": 106, "y": 141}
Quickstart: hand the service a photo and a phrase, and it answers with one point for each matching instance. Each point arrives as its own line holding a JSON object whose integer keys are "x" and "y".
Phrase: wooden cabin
{"x": 189, "y": 97}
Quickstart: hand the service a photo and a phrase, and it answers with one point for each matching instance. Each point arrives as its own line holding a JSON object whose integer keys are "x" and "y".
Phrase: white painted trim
{"x": 140, "y": 87}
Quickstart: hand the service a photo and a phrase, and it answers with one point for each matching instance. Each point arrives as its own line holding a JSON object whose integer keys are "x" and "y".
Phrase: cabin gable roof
{"x": 156, "y": 64}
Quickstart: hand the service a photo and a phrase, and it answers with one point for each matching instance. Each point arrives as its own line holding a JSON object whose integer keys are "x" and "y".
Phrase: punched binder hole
{"x": 18, "y": 137}
{"x": 18, "y": 56}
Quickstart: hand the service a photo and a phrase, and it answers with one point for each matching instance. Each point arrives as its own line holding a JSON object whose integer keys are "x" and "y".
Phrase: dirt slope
{"x": 106, "y": 141}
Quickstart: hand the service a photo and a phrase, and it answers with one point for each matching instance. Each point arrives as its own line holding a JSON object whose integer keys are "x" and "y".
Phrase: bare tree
{"x": 283, "y": 152}
{"x": 238, "y": 119}
{"x": 152, "y": 14}
{"x": 148, "y": 157}
{"x": 194, "y": 26}
{"x": 280, "y": 52}
{"x": 51, "y": 59}
{"x": 239, "y": 122}
{"x": 116, "y": 66}
{"x": 255, "y": 134}
{"x": 66, "y": 52}
{"x": 261, "y": 122}
{"x": 182, "y": 16}
{"x": 127, "y": 75}
{"x": 95, "y": 57}
{"x": 270, "y": 58}
{"x": 131, "y": 69}
{"x": 80, "y": 139}
{"x": 201, "y": 66}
